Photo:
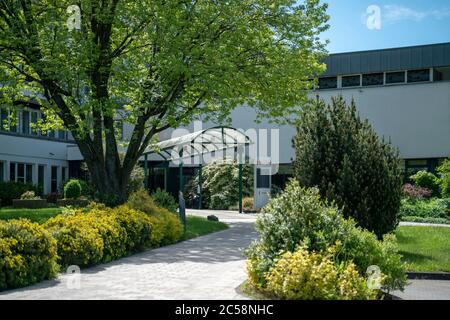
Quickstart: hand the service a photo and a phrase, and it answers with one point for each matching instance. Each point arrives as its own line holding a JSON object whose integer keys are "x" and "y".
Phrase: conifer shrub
{"x": 341, "y": 154}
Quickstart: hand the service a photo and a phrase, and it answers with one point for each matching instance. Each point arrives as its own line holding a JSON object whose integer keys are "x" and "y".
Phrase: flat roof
{"x": 394, "y": 59}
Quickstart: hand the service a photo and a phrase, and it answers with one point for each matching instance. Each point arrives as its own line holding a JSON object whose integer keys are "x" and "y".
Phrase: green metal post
{"x": 181, "y": 177}
{"x": 240, "y": 187}
{"x": 146, "y": 172}
{"x": 200, "y": 188}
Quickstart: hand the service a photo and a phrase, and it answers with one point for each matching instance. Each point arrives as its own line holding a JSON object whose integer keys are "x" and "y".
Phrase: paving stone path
{"x": 209, "y": 267}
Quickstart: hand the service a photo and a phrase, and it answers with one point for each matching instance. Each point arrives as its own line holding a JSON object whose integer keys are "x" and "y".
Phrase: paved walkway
{"x": 416, "y": 224}
{"x": 425, "y": 290}
{"x": 209, "y": 267}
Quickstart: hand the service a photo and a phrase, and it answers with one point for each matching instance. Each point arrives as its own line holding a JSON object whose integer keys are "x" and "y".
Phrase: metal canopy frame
{"x": 197, "y": 144}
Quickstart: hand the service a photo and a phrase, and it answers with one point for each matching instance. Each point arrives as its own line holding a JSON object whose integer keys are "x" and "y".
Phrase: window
{"x": 395, "y": 77}
{"x": 2, "y": 168}
{"x": 374, "y": 79}
{"x": 262, "y": 180}
{"x": 419, "y": 75}
{"x": 20, "y": 172}
{"x": 62, "y": 135}
{"x": 34, "y": 119}
{"x": 29, "y": 173}
{"x": 12, "y": 172}
{"x": 41, "y": 170}
{"x": 54, "y": 179}
{"x": 25, "y": 122}
{"x": 351, "y": 81}
{"x": 442, "y": 74}
{"x": 3, "y": 119}
{"x": 328, "y": 83}
{"x": 63, "y": 174}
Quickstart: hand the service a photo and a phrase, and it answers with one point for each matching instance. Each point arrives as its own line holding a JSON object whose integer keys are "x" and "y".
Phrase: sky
{"x": 402, "y": 23}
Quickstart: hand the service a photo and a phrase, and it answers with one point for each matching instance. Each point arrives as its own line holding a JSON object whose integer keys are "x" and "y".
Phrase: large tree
{"x": 158, "y": 64}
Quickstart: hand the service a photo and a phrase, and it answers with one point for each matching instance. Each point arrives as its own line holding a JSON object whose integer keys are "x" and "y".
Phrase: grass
{"x": 35, "y": 215}
{"x": 198, "y": 226}
{"x": 425, "y": 249}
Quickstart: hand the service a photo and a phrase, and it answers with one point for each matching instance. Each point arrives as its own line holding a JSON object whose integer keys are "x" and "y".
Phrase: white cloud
{"x": 394, "y": 13}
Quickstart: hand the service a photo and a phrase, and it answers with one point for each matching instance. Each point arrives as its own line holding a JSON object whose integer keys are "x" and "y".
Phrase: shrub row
{"x": 10, "y": 190}
{"x": 425, "y": 208}
{"x": 30, "y": 253}
{"x": 299, "y": 218}
{"x": 27, "y": 254}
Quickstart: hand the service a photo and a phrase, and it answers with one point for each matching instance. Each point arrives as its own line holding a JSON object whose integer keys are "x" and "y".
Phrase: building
{"x": 404, "y": 92}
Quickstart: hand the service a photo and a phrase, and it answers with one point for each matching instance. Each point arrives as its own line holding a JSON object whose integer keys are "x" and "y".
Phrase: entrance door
{"x": 263, "y": 175}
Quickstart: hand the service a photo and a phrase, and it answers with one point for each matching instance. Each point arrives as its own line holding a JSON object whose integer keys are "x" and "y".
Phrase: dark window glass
{"x": 419, "y": 75}
{"x": 20, "y": 172}
{"x": 54, "y": 179}
{"x": 262, "y": 181}
{"x": 395, "y": 77}
{"x": 1, "y": 171}
{"x": 63, "y": 174}
{"x": 41, "y": 177}
{"x": 51, "y": 133}
{"x": 442, "y": 74}
{"x": 374, "y": 79}
{"x": 351, "y": 81}
{"x": 34, "y": 119}
{"x": 328, "y": 83}
{"x": 12, "y": 172}
{"x": 62, "y": 134}
{"x": 25, "y": 122}
{"x": 3, "y": 119}
{"x": 29, "y": 173}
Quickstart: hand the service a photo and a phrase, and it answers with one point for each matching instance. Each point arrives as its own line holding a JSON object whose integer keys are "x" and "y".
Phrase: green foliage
{"x": 341, "y": 154}
{"x": 167, "y": 228}
{"x": 425, "y": 208}
{"x": 27, "y": 254}
{"x": 299, "y": 217}
{"x": 158, "y": 64}
{"x": 220, "y": 184}
{"x": 444, "y": 171}
{"x": 137, "y": 179}
{"x": 14, "y": 190}
{"x": 316, "y": 276}
{"x": 72, "y": 189}
{"x": 425, "y": 179}
{"x": 165, "y": 200}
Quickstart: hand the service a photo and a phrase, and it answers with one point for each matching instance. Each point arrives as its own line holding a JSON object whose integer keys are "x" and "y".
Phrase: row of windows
{"x": 25, "y": 123}
{"x": 378, "y": 79}
{"x": 23, "y": 172}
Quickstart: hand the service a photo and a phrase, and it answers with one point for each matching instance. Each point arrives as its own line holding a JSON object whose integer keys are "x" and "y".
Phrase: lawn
{"x": 196, "y": 226}
{"x": 35, "y": 215}
{"x": 425, "y": 248}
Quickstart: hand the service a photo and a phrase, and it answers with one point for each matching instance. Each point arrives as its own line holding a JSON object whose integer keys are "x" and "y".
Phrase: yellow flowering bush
{"x": 27, "y": 254}
{"x": 79, "y": 241}
{"x": 167, "y": 228}
{"x": 304, "y": 275}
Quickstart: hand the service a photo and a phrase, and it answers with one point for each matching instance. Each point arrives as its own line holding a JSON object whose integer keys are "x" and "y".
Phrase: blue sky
{"x": 403, "y": 23}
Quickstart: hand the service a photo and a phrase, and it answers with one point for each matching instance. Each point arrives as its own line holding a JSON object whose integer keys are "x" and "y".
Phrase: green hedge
{"x": 27, "y": 254}
{"x": 425, "y": 208}
{"x": 11, "y": 190}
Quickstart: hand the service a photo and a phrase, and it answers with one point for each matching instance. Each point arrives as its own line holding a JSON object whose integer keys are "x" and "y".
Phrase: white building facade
{"x": 403, "y": 92}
